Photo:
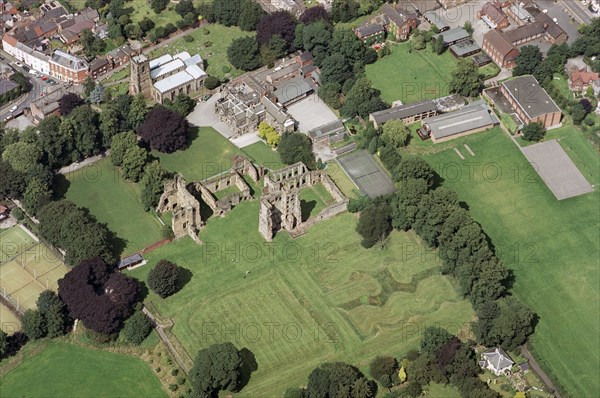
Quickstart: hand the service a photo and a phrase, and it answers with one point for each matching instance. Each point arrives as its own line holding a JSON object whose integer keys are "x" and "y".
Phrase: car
{"x": 25, "y": 68}
{"x": 32, "y": 72}
{"x": 206, "y": 97}
{"x": 18, "y": 64}
{"x": 14, "y": 108}
{"x": 44, "y": 77}
{"x": 9, "y": 117}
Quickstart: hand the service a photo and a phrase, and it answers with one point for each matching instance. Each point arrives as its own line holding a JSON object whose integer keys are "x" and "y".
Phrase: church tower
{"x": 139, "y": 81}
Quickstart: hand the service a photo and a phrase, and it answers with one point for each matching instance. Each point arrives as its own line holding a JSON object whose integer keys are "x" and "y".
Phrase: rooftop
{"x": 291, "y": 89}
{"x": 473, "y": 116}
{"x": 530, "y": 96}
{"x": 403, "y": 111}
{"x": 166, "y": 68}
{"x": 463, "y": 47}
{"x": 69, "y": 61}
{"x": 327, "y": 129}
{"x": 156, "y": 62}
{"x": 454, "y": 35}
{"x": 498, "y": 358}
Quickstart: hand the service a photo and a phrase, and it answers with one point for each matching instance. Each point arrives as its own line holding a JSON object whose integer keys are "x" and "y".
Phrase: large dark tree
{"x": 250, "y": 15}
{"x": 339, "y": 379}
{"x": 313, "y": 14}
{"x": 528, "y": 61}
{"x": 164, "y": 278}
{"x": 344, "y": 10}
{"x": 533, "y": 132}
{"x": 226, "y": 12}
{"x": 216, "y": 368}
{"x": 374, "y": 223}
{"x": 68, "y": 102}
{"x": 152, "y": 185}
{"x": 384, "y": 370}
{"x": 13, "y": 182}
{"x": 414, "y": 167}
{"x": 466, "y": 79}
{"x": 57, "y": 148}
{"x": 433, "y": 339}
{"x": 362, "y": 99}
{"x": 53, "y": 312}
{"x": 98, "y": 296}
{"x": 244, "y": 53}
{"x": 33, "y": 325}
{"x": 164, "y": 130}
{"x": 279, "y": 22}
{"x": 66, "y": 226}
{"x": 405, "y": 203}
{"x": 296, "y": 147}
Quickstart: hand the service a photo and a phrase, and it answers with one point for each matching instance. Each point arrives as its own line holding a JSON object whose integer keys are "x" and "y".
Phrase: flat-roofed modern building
{"x": 412, "y": 113}
{"x": 530, "y": 101}
{"x": 472, "y": 118}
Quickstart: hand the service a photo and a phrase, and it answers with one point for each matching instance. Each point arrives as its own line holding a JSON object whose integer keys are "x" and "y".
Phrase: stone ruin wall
{"x": 185, "y": 207}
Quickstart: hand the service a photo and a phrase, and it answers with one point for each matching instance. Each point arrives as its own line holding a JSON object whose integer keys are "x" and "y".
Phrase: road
{"x": 578, "y": 10}
{"x": 23, "y": 101}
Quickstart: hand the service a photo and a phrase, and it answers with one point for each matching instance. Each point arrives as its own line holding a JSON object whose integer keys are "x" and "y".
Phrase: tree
{"x": 330, "y": 94}
{"x": 52, "y": 310}
{"x": 374, "y": 224}
{"x": 339, "y": 379}
{"x": 3, "y": 343}
{"x": 120, "y": 145}
{"x": 158, "y": 6}
{"x": 468, "y": 27}
{"x": 211, "y": 82}
{"x": 395, "y": 133}
{"x": 280, "y": 22}
{"x": 164, "y": 278}
{"x": 216, "y": 368}
{"x": 433, "y": 339}
{"x": 336, "y": 69}
{"x": 244, "y": 53}
{"x": 22, "y": 156}
{"x": 384, "y": 370}
{"x": 152, "y": 185}
{"x": 137, "y": 111}
{"x": 68, "y": 102}
{"x": 268, "y": 133}
{"x": 296, "y": 147}
{"x": 314, "y": 14}
{"x": 164, "y": 130}
{"x": 97, "y": 94}
{"x": 557, "y": 56}
{"x": 37, "y": 194}
{"x": 414, "y": 167}
{"x": 250, "y": 15}
{"x": 226, "y": 12}
{"x": 65, "y": 225}
{"x": 405, "y": 203}
{"x": 134, "y": 160}
{"x": 12, "y": 183}
{"x": 362, "y": 99}
{"x": 184, "y": 7}
{"x": 183, "y": 104}
{"x": 82, "y": 126}
{"x": 344, "y": 10}
{"x": 97, "y": 296}
{"x": 438, "y": 45}
{"x": 578, "y": 113}
{"x": 146, "y": 25}
{"x": 109, "y": 125}
{"x": 528, "y": 61}
{"x": 32, "y": 324}
{"x": 466, "y": 79}
{"x": 277, "y": 46}
{"x": 88, "y": 85}
{"x": 136, "y": 328}
{"x": 533, "y": 132}
{"x": 316, "y": 38}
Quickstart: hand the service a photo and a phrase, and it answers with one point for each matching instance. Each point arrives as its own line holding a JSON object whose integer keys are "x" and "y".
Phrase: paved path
{"x": 165, "y": 339}
{"x": 85, "y": 162}
{"x": 245, "y": 140}
{"x": 536, "y": 368}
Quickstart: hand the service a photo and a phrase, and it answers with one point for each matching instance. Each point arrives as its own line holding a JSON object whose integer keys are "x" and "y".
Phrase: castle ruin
{"x": 185, "y": 207}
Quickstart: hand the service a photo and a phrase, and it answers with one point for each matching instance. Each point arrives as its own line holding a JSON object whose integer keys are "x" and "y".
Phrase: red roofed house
{"x": 581, "y": 79}
{"x": 494, "y": 15}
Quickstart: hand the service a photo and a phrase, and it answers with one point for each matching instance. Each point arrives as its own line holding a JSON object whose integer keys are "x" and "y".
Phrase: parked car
{"x": 18, "y": 64}
{"x": 14, "y": 108}
{"x": 25, "y": 68}
{"x": 206, "y": 97}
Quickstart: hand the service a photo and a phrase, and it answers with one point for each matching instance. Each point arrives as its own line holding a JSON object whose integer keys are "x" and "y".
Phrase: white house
{"x": 497, "y": 361}
{"x": 30, "y": 57}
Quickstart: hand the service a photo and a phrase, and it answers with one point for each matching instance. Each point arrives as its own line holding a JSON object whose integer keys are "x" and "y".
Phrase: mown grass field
{"x": 321, "y": 297}
{"x": 212, "y": 47}
{"x": 551, "y": 245}
{"x": 411, "y": 77}
{"x": 114, "y": 201}
{"x": 264, "y": 155}
{"x": 209, "y": 153}
{"x": 67, "y": 370}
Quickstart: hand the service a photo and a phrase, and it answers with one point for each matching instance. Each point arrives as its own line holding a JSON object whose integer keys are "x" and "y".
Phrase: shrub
{"x": 174, "y": 372}
{"x": 188, "y": 38}
{"x": 211, "y": 82}
{"x": 181, "y": 380}
{"x": 225, "y": 69}
{"x": 163, "y": 278}
{"x": 18, "y": 214}
{"x": 137, "y": 328}
{"x": 208, "y": 44}
{"x": 206, "y": 31}
{"x": 173, "y": 387}
{"x": 157, "y": 369}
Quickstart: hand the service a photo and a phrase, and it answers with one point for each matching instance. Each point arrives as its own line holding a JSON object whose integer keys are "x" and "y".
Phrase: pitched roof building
{"x": 493, "y": 15}
{"x": 502, "y": 51}
{"x": 497, "y": 361}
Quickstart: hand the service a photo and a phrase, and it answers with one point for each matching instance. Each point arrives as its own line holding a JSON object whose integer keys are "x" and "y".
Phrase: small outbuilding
{"x": 130, "y": 261}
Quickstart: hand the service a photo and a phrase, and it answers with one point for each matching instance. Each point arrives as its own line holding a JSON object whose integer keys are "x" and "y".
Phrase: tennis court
{"x": 557, "y": 170}
{"x": 27, "y": 268}
{"x": 370, "y": 178}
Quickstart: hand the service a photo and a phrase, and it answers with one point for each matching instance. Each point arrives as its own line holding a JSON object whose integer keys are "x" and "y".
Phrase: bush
{"x": 18, "y": 214}
{"x": 163, "y": 278}
{"x": 137, "y": 328}
{"x": 211, "y": 82}
{"x": 356, "y": 205}
{"x": 225, "y": 69}
{"x": 174, "y": 372}
{"x": 208, "y": 44}
{"x": 157, "y": 369}
{"x": 181, "y": 380}
{"x": 188, "y": 38}
{"x": 173, "y": 387}
{"x": 206, "y": 31}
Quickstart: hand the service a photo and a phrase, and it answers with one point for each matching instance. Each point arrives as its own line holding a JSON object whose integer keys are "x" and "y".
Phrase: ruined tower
{"x": 139, "y": 81}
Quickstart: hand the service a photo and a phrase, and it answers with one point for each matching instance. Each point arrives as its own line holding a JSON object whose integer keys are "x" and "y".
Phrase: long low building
{"x": 414, "y": 112}
{"x": 472, "y": 118}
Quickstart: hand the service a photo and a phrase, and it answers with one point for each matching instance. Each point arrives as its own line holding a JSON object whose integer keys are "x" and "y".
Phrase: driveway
{"x": 246, "y": 139}
{"x": 204, "y": 115}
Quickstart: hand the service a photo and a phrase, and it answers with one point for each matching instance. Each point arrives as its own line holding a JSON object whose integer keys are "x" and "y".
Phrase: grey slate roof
{"x": 404, "y": 111}
{"x": 327, "y": 129}
{"x": 454, "y": 35}
{"x": 473, "y": 116}
{"x": 498, "y": 358}
{"x": 530, "y": 96}
{"x": 369, "y": 30}
{"x": 464, "y": 47}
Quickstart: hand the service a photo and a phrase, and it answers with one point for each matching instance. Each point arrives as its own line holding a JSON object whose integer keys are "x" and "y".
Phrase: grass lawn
{"x": 488, "y": 71}
{"x": 412, "y": 77}
{"x": 313, "y": 200}
{"x": 434, "y": 390}
{"x": 208, "y": 154}
{"x": 341, "y": 179}
{"x": 67, "y": 370}
{"x": 264, "y": 155}
{"x": 551, "y": 245}
{"x": 321, "y": 297}
{"x": 212, "y": 47}
{"x": 142, "y": 9}
{"x": 114, "y": 201}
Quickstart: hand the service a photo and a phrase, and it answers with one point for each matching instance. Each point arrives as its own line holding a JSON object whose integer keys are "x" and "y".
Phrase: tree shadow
{"x": 185, "y": 275}
{"x": 306, "y": 208}
{"x": 117, "y": 244}
{"x": 249, "y": 365}
{"x": 60, "y": 186}
{"x": 144, "y": 291}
